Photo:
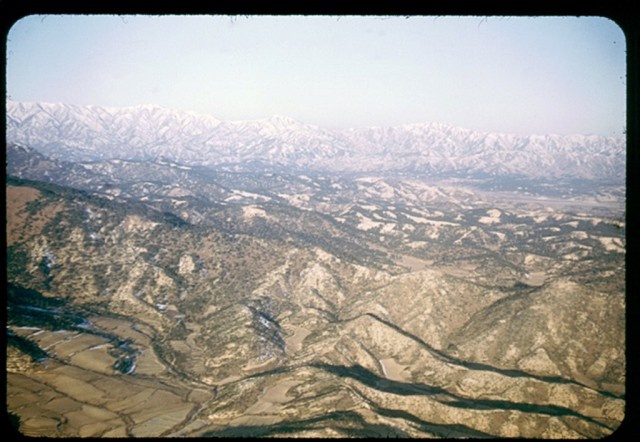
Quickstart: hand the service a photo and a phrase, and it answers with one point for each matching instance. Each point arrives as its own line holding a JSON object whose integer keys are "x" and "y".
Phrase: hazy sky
{"x": 520, "y": 74}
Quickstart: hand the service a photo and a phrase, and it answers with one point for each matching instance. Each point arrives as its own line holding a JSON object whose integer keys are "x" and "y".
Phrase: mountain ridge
{"x": 86, "y": 133}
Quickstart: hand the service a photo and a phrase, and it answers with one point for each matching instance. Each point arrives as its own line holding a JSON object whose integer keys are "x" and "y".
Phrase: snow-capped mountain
{"x": 88, "y": 133}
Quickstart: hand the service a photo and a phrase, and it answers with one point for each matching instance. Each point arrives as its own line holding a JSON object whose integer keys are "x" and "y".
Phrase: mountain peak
{"x": 283, "y": 122}
{"x": 283, "y": 119}
{"x": 148, "y": 106}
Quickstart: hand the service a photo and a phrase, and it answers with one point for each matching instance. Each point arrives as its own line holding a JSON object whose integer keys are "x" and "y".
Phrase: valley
{"x": 158, "y": 297}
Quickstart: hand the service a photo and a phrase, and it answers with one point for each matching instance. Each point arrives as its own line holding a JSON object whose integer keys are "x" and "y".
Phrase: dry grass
{"x": 393, "y": 370}
{"x": 17, "y": 199}
{"x": 294, "y": 342}
{"x": 19, "y": 223}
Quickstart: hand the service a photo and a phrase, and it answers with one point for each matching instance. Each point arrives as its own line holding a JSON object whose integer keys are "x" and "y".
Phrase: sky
{"x": 522, "y": 75}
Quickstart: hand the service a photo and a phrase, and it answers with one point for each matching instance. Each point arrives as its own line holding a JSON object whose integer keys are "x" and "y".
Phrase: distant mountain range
{"x": 92, "y": 133}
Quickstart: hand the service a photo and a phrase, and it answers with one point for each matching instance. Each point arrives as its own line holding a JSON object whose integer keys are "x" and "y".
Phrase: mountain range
{"x": 91, "y": 133}
{"x": 171, "y": 274}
